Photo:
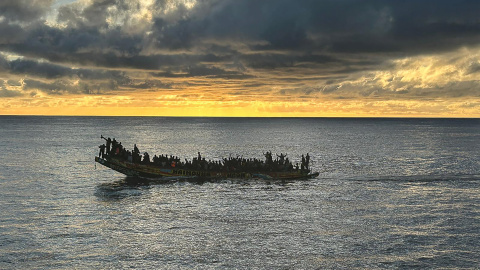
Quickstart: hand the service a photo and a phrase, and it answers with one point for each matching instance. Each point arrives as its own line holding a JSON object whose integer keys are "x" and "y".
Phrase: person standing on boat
{"x": 303, "y": 162}
{"x": 109, "y": 143}
{"x": 129, "y": 156}
{"x": 282, "y": 158}
{"x": 101, "y": 154}
{"x": 135, "y": 149}
{"x": 268, "y": 158}
{"x": 146, "y": 158}
{"x": 114, "y": 146}
{"x": 307, "y": 161}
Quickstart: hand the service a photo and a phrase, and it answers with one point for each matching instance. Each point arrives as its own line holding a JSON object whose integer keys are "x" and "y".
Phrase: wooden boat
{"x": 151, "y": 171}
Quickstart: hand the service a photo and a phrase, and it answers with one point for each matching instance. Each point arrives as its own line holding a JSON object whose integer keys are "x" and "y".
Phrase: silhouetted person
{"x": 135, "y": 149}
{"x": 282, "y": 158}
{"x": 109, "y": 143}
{"x": 101, "y": 154}
{"x": 268, "y": 158}
{"x": 114, "y": 147}
{"x": 146, "y": 158}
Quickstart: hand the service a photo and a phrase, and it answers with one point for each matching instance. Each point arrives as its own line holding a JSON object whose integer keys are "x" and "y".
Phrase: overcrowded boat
{"x": 133, "y": 164}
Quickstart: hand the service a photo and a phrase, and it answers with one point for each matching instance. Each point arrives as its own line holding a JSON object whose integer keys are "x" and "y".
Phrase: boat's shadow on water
{"x": 132, "y": 186}
{"x": 121, "y": 189}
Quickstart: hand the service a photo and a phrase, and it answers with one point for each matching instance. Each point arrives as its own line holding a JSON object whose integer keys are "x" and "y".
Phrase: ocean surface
{"x": 391, "y": 194}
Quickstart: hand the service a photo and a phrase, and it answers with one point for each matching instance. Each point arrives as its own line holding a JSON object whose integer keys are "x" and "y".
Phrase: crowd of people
{"x": 114, "y": 149}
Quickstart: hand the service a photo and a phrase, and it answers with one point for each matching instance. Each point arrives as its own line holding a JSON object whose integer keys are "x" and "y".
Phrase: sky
{"x": 291, "y": 58}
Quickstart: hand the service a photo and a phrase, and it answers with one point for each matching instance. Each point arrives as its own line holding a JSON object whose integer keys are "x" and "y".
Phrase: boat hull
{"x": 148, "y": 171}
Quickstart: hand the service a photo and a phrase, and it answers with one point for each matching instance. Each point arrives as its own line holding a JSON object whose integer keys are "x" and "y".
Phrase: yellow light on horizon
{"x": 170, "y": 107}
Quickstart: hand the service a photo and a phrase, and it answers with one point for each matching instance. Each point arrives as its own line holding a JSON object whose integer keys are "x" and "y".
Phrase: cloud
{"x": 106, "y": 33}
{"x": 6, "y": 93}
{"x": 53, "y": 71}
{"x": 249, "y": 49}
{"x": 202, "y": 71}
{"x": 332, "y": 26}
{"x": 307, "y": 29}
{"x": 24, "y": 10}
{"x": 11, "y": 34}
{"x": 450, "y": 75}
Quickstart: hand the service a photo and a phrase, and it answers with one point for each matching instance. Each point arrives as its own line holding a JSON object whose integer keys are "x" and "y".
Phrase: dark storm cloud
{"x": 11, "y": 34}
{"x": 150, "y": 84}
{"x": 272, "y": 60}
{"x": 202, "y": 71}
{"x": 77, "y": 45}
{"x": 329, "y": 26}
{"x": 90, "y": 46}
{"x": 350, "y": 25}
{"x": 53, "y": 71}
{"x": 24, "y": 10}
{"x": 275, "y": 34}
{"x": 63, "y": 86}
{"x": 95, "y": 14}
{"x": 57, "y": 79}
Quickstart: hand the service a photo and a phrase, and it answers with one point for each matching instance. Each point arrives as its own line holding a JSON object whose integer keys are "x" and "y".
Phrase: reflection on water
{"x": 120, "y": 189}
{"x": 392, "y": 193}
{"x": 133, "y": 186}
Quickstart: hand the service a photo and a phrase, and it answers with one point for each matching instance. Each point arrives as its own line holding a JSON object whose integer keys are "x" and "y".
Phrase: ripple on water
{"x": 397, "y": 194}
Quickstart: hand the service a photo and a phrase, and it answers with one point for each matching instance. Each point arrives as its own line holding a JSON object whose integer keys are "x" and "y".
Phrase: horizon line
{"x": 226, "y": 116}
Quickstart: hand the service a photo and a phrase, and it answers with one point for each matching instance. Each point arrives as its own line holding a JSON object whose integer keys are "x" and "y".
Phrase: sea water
{"x": 391, "y": 193}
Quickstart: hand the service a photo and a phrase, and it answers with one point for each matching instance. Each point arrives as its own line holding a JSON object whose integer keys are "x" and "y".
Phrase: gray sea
{"x": 391, "y": 194}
